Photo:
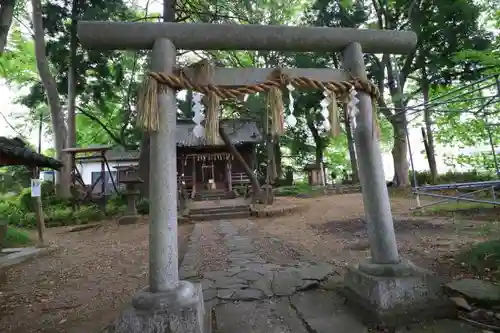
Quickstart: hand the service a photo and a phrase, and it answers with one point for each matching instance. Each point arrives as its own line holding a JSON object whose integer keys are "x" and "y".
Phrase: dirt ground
{"x": 332, "y": 228}
{"x": 80, "y": 288}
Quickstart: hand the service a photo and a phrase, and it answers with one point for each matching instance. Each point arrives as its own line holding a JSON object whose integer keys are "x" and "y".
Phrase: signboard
{"x": 36, "y": 188}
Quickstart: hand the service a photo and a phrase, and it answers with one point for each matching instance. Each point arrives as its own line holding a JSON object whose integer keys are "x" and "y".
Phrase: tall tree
{"x": 6, "y": 15}
{"x": 442, "y": 28}
{"x": 71, "y": 100}
{"x": 50, "y": 87}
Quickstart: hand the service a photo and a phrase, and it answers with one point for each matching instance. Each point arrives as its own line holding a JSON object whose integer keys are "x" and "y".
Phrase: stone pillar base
{"x": 177, "y": 311}
{"x": 395, "y": 295}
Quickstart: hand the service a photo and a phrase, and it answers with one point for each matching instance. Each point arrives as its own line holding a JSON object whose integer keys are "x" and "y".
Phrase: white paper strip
{"x": 198, "y": 118}
{"x": 290, "y": 120}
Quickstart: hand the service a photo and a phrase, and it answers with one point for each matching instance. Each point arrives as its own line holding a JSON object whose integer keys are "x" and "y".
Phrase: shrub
{"x": 299, "y": 188}
{"x": 143, "y": 206}
{"x": 482, "y": 257}
{"x": 88, "y": 213}
{"x": 49, "y": 198}
{"x": 18, "y": 210}
{"x": 451, "y": 177}
{"x": 16, "y": 237}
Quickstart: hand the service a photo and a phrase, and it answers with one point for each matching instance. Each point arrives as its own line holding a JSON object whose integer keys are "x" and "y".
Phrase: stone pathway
{"x": 258, "y": 296}
{"x": 13, "y": 256}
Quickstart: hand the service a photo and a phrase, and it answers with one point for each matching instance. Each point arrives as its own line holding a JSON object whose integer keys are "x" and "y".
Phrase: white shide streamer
{"x": 352, "y": 107}
{"x": 325, "y": 102}
{"x": 198, "y": 107}
{"x": 290, "y": 120}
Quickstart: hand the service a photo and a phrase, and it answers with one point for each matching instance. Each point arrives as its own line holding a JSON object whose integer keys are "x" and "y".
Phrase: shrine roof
{"x": 18, "y": 153}
{"x": 240, "y": 131}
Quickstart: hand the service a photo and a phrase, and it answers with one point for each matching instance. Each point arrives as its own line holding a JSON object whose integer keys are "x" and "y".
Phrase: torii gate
{"x": 384, "y": 283}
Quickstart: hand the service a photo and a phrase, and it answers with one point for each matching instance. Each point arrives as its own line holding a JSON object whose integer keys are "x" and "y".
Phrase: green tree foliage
{"x": 453, "y": 48}
{"x": 443, "y": 29}
{"x": 106, "y": 81}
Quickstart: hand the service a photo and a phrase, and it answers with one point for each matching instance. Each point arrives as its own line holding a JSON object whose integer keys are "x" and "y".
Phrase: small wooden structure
{"x": 315, "y": 174}
{"x": 16, "y": 152}
{"x": 202, "y": 167}
{"x": 84, "y": 192}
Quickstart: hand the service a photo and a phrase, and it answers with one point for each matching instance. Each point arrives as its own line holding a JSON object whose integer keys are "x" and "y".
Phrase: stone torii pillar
{"x": 391, "y": 290}
{"x": 170, "y": 305}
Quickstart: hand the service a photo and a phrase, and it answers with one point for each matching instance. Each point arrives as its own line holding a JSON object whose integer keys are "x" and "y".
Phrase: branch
{"x": 411, "y": 95}
{"x": 405, "y": 71}
{"x": 103, "y": 126}
{"x": 378, "y": 12}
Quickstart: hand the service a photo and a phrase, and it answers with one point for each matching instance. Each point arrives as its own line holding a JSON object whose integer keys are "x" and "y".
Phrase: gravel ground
{"x": 332, "y": 229}
{"x": 81, "y": 287}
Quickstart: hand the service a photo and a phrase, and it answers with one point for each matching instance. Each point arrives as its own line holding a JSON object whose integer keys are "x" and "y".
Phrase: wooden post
{"x": 103, "y": 179}
{"x": 255, "y": 183}
{"x": 193, "y": 172}
{"x": 229, "y": 175}
{"x": 40, "y": 219}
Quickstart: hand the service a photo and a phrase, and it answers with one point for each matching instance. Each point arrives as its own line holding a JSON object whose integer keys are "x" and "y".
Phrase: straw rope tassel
{"x": 277, "y": 109}
{"x": 212, "y": 123}
{"x": 212, "y": 103}
{"x": 147, "y": 105}
{"x": 333, "y": 116}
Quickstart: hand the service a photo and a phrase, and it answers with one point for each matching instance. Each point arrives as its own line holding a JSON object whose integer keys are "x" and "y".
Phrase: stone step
{"x": 222, "y": 209}
{"x": 207, "y": 196}
{"x": 220, "y": 216}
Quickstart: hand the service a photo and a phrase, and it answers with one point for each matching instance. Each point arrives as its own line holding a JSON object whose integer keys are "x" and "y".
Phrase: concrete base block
{"x": 128, "y": 219}
{"x": 177, "y": 311}
{"x": 394, "y": 295}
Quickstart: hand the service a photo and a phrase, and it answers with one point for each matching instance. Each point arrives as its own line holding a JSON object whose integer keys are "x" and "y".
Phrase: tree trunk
{"x": 350, "y": 146}
{"x": 431, "y": 154}
{"x": 72, "y": 77}
{"x": 241, "y": 160}
{"x": 6, "y": 14}
{"x": 271, "y": 160}
{"x": 317, "y": 140}
{"x": 168, "y": 16}
{"x": 400, "y": 151}
{"x": 63, "y": 178}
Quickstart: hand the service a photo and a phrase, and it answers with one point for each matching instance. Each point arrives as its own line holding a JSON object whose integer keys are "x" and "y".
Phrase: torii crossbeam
{"x": 206, "y": 36}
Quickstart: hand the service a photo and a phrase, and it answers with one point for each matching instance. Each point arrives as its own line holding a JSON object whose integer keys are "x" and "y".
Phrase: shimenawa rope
{"x": 156, "y": 81}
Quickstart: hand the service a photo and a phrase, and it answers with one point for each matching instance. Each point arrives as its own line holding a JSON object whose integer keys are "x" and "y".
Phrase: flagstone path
{"x": 249, "y": 292}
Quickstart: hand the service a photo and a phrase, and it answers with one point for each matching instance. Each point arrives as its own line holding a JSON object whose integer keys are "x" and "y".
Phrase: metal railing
{"x": 480, "y": 187}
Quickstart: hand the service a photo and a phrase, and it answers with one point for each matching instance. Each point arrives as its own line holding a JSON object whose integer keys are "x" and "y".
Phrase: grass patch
{"x": 460, "y": 208}
{"x": 483, "y": 258}
{"x": 16, "y": 238}
{"x": 400, "y": 192}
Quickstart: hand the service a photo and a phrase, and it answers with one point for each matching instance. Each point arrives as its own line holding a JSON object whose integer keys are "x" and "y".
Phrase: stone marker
{"x": 130, "y": 181}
